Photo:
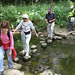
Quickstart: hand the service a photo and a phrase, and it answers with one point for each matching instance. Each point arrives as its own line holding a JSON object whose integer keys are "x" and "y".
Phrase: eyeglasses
{"x": 24, "y": 18}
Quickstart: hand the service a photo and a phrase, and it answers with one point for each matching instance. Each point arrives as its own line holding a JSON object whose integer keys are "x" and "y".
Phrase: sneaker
{"x": 27, "y": 54}
{"x": 11, "y": 68}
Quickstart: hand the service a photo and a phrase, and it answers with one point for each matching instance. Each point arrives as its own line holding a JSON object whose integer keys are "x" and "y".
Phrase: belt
{"x": 26, "y": 33}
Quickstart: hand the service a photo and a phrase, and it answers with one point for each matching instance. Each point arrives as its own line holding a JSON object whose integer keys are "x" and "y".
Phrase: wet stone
{"x": 21, "y": 53}
{"x": 73, "y": 33}
{"x": 42, "y": 39}
{"x": 42, "y": 42}
{"x": 49, "y": 41}
{"x": 39, "y": 33}
{"x": 33, "y": 47}
{"x": 34, "y": 51}
{"x": 12, "y": 72}
{"x": 44, "y": 45}
{"x": 16, "y": 60}
{"x": 57, "y": 37}
{"x": 26, "y": 58}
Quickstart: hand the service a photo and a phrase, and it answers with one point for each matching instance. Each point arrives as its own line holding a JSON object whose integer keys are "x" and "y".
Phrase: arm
{"x": 52, "y": 20}
{"x": 19, "y": 26}
{"x": 46, "y": 20}
{"x": 35, "y": 33}
{"x": 15, "y": 30}
{"x": 32, "y": 27}
{"x": 11, "y": 43}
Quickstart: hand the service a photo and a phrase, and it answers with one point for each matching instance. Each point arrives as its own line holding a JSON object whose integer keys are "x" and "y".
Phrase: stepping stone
{"x": 33, "y": 47}
{"x": 27, "y": 57}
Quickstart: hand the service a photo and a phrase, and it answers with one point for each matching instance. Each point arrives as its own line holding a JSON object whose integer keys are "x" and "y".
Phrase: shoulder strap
{"x": 8, "y": 33}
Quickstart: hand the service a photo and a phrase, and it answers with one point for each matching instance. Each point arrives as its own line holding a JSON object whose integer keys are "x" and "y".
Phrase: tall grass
{"x": 36, "y": 13}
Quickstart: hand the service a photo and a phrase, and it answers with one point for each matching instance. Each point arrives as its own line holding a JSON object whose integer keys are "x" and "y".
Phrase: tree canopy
{"x": 21, "y": 2}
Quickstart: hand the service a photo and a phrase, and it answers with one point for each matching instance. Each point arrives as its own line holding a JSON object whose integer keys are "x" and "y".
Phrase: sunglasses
{"x": 24, "y": 18}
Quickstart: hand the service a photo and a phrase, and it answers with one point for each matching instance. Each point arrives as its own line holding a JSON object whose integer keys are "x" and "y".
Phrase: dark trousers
{"x": 69, "y": 24}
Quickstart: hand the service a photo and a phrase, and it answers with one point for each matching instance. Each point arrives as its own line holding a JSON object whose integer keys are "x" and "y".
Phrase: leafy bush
{"x": 36, "y": 13}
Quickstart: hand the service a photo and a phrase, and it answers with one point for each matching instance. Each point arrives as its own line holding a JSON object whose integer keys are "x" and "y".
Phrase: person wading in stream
{"x": 6, "y": 45}
{"x": 26, "y": 25}
{"x": 50, "y": 18}
{"x": 70, "y": 19}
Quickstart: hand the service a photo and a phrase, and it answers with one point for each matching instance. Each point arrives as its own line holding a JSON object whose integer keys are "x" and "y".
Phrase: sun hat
{"x": 25, "y": 16}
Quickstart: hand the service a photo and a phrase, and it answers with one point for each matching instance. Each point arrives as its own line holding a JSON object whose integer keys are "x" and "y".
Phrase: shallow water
{"x": 59, "y": 56}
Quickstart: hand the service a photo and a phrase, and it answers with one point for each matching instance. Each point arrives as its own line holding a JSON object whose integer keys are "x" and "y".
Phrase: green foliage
{"x": 18, "y": 42}
{"x": 36, "y": 13}
{"x": 70, "y": 2}
{"x": 61, "y": 12}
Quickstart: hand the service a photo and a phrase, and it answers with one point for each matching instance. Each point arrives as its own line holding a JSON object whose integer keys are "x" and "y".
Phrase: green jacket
{"x": 70, "y": 14}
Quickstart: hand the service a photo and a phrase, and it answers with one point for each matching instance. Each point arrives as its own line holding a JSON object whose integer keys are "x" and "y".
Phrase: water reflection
{"x": 27, "y": 70}
{"x": 57, "y": 59}
{"x": 56, "y": 64}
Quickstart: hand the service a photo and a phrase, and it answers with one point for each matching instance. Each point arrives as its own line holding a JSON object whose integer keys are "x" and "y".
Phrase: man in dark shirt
{"x": 50, "y": 18}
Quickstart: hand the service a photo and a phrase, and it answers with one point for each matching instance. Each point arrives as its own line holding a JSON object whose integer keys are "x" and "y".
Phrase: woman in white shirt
{"x": 26, "y": 25}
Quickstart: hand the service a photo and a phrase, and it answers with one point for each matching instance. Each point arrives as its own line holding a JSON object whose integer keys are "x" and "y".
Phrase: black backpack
{"x": 8, "y": 33}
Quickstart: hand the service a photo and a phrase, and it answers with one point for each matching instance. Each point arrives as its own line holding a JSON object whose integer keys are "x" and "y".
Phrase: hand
{"x": 10, "y": 52}
{"x": 13, "y": 32}
{"x": 50, "y": 21}
{"x": 47, "y": 22}
{"x": 37, "y": 35}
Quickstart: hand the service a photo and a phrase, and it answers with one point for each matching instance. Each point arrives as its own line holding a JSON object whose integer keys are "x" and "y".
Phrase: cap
{"x": 25, "y": 16}
{"x": 49, "y": 9}
{"x": 72, "y": 6}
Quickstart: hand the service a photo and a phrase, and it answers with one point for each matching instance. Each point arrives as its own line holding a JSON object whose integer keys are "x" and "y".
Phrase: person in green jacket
{"x": 70, "y": 18}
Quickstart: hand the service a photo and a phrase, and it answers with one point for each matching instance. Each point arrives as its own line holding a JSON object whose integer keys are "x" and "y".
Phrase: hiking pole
{"x": 52, "y": 4}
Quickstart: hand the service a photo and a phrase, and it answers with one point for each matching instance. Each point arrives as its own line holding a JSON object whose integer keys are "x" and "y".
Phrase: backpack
{"x": 8, "y": 33}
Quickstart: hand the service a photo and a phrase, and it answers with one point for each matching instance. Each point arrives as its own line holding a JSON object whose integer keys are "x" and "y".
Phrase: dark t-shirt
{"x": 50, "y": 16}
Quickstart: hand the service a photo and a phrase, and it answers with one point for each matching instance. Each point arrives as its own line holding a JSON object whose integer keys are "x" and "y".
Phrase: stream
{"x": 58, "y": 57}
